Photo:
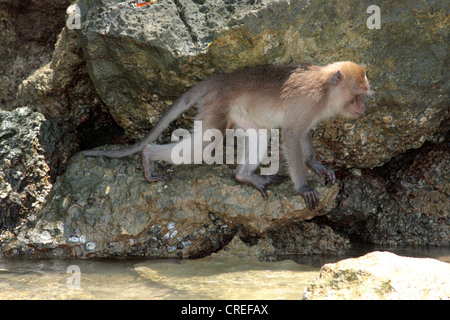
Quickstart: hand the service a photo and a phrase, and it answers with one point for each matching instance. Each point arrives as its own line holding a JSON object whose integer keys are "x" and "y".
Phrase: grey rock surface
{"x": 24, "y": 172}
{"x": 26, "y": 42}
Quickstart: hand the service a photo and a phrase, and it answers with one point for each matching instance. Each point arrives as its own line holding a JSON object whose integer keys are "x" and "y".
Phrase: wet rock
{"x": 301, "y": 238}
{"x": 105, "y": 208}
{"x": 150, "y": 54}
{"x": 59, "y": 142}
{"x": 307, "y": 238}
{"x": 382, "y": 276}
{"x": 417, "y": 210}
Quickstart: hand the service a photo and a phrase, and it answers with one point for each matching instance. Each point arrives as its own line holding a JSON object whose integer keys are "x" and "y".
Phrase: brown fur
{"x": 291, "y": 97}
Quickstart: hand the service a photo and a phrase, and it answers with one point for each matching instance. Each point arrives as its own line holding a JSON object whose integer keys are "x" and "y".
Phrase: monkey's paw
{"x": 310, "y": 196}
{"x": 320, "y": 169}
{"x": 261, "y": 182}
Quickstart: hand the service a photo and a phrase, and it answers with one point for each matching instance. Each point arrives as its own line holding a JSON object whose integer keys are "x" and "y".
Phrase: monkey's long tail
{"x": 186, "y": 101}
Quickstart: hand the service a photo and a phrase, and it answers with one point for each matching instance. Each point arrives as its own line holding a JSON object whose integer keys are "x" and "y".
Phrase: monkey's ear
{"x": 337, "y": 78}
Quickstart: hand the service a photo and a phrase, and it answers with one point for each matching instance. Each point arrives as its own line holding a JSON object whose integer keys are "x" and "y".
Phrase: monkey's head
{"x": 349, "y": 86}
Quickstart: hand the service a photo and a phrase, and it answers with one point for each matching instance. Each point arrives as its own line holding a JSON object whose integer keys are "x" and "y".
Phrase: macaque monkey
{"x": 292, "y": 98}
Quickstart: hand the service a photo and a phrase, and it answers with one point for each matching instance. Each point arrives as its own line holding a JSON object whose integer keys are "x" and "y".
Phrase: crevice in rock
{"x": 183, "y": 18}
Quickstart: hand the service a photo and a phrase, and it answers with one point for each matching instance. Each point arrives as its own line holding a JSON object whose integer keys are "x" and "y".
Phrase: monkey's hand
{"x": 320, "y": 169}
{"x": 260, "y": 182}
{"x": 310, "y": 196}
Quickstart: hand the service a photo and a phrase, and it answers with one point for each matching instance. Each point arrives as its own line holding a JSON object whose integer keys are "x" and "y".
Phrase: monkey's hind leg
{"x": 261, "y": 182}
{"x": 245, "y": 169}
{"x": 153, "y": 152}
{"x": 245, "y": 175}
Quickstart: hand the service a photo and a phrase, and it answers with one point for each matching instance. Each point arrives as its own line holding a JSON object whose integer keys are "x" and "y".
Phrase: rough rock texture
{"x": 418, "y": 211}
{"x": 24, "y": 173}
{"x": 105, "y": 208}
{"x": 307, "y": 238}
{"x": 406, "y": 202}
{"x": 140, "y": 59}
{"x": 382, "y": 276}
{"x": 136, "y": 54}
{"x": 63, "y": 92}
{"x": 62, "y": 88}
{"x": 28, "y": 33}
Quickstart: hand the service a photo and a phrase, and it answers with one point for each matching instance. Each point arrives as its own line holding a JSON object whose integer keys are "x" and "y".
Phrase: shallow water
{"x": 208, "y": 278}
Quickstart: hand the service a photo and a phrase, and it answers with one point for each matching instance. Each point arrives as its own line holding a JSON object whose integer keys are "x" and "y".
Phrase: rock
{"x": 405, "y": 202}
{"x": 301, "y": 238}
{"x": 149, "y": 55}
{"x": 61, "y": 89}
{"x": 307, "y": 238}
{"x": 63, "y": 92}
{"x": 417, "y": 211}
{"x": 382, "y": 276}
{"x": 28, "y": 33}
{"x": 24, "y": 172}
{"x": 105, "y": 208}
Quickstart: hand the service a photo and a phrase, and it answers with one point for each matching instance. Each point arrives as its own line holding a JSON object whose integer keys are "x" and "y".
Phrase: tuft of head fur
{"x": 313, "y": 81}
{"x": 351, "y": 70}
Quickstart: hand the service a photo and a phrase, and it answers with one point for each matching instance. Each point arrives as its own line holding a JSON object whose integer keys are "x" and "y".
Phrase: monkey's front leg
{"x": 310, "y": 195}
{"x": 316, "y": 166}
{"x": 322, "y": 170}
{"x": 296, "y": 154}
{"x": 258, "y": 182}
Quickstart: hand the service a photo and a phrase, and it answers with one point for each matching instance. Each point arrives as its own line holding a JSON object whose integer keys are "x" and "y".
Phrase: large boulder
{"x": 106, "y": 208}
{"x": 28, "y": 34}
{"x": 382, "y": 276}
{"x": 141, "y": 58}
{"x": 63, "y": 92}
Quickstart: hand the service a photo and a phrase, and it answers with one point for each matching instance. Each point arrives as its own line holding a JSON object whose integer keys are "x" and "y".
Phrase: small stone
{"x": 90, "y": 246}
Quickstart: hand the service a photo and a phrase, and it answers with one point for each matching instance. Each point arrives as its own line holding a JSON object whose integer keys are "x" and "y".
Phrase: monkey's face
{"x": 355, "y": 107}
{"x": 353, "y": 93}
{"x": 350, "y": 85}
{"x": 349, "y": 101}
